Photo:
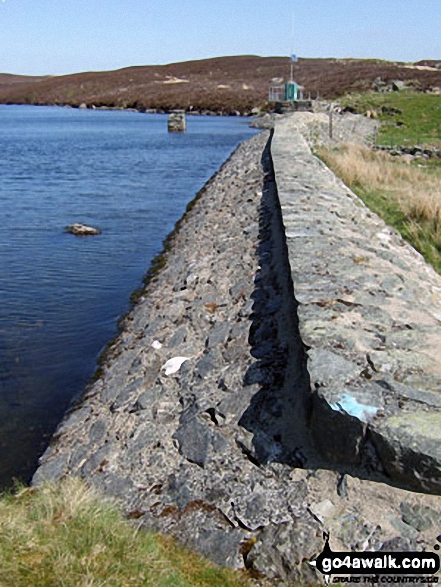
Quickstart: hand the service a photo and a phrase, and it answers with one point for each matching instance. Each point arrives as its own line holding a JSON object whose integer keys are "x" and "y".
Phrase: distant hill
{"x": 10, "y": 79}
{"x": 223, "y": 84}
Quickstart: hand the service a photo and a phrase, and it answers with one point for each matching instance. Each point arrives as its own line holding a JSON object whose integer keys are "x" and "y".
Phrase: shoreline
{"x": 201, "y": 112}
{"x": 20, "y": 458}
{"x": 157, "y": 263}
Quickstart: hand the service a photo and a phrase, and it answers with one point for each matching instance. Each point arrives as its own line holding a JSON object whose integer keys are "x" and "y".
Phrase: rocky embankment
{"x": 199, "y": 425}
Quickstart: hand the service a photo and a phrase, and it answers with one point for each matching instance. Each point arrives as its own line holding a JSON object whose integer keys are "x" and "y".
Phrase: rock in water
{"x": 82, "y": 230}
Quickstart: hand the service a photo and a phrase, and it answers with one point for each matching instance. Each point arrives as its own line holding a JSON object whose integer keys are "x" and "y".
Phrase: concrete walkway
{"x": 370, "y": 311}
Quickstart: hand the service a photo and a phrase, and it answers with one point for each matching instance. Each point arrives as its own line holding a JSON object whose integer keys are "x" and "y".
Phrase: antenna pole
{"x": 292, "y": 47}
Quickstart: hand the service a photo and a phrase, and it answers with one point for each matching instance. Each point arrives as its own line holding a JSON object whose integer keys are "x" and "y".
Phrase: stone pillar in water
{"x": 177, "y": 122}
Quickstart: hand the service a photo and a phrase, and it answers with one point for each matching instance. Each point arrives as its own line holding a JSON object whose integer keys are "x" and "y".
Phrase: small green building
{"x": 291, "y": 91}
{"x": 287, "y": 92}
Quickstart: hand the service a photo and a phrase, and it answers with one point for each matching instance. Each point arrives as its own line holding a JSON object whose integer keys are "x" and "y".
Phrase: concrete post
{"x": 177, "y": 122}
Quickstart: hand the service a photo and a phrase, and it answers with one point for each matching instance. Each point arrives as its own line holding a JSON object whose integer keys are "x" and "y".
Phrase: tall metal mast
{"x": 292, "y": 57}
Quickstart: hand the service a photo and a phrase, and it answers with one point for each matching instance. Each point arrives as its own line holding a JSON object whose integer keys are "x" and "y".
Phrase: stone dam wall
{"x": 278, "y": 377}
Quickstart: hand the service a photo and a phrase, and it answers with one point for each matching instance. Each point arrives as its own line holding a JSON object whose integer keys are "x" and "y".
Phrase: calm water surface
{"x": 60, "y": 295}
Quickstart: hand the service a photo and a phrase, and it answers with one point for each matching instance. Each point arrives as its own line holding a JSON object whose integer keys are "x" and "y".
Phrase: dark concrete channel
{"x": 280, "y": 410}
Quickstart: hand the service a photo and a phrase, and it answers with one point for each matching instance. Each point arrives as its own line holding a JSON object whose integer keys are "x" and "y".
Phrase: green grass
{"x": 64, "y": 535}
{"x": 418, "y": 234}
{"x": 417, "y": 122}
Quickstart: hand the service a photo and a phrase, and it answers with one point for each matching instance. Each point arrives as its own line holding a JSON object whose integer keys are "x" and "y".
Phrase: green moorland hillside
{"x": 407, "y": 118}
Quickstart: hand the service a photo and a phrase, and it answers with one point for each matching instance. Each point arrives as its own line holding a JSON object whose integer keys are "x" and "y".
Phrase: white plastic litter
{"x": 173, "y": 365}
{"x": 156, "y": 344}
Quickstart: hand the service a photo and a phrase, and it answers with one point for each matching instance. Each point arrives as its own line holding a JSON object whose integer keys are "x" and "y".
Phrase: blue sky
{"x": 57, "y": 37}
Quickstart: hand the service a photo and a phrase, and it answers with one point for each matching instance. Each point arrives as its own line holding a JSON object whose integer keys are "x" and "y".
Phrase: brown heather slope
{"x": 11, "y": 79}
{"x": 222, "y": 84}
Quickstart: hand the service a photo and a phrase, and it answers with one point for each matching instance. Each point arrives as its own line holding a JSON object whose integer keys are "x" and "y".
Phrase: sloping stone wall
{"x": 370, "y": 311}
{"x": 198, "y": 424}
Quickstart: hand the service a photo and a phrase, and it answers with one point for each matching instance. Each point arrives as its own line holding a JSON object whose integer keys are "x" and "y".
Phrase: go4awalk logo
{"x": 377, "y": 567}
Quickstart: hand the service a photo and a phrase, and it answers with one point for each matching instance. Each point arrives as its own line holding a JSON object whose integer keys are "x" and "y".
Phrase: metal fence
{"x": 276, "y": 93}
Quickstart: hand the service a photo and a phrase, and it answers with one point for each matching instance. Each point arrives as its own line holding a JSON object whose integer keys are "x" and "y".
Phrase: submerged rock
{"x": 82, "y": 230}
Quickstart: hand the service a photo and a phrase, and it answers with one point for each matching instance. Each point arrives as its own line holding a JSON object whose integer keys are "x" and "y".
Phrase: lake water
{"x": 61, "y": 295}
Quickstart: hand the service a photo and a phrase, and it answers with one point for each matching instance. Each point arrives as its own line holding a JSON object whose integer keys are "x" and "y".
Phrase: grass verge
{"x": 65, "y": 535}
{"x": 406, "y": 196}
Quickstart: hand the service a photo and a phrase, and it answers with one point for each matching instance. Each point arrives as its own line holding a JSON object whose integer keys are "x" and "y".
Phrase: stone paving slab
{"x": 370, "y": 311}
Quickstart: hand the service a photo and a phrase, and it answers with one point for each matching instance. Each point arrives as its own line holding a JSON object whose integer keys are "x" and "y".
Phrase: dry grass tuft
{"x": 65, "y": 535}
{"x": 417, "y": 192}
{"x": 406, "y": 196}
